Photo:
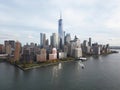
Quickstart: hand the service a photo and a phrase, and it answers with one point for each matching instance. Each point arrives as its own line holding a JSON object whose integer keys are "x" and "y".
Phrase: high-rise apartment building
{"x": 2, "y": 49}
{"x": 10, "y": 42}
{"x": 8, "y": 49}
{"x": 17, "y": 51}
{"x": 75, "y": 48}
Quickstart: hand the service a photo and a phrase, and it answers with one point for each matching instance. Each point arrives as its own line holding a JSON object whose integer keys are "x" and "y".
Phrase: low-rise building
{"x": 42, "y": 56}
{"x": 53, "y": 55}
{"x": 62, "y": 55}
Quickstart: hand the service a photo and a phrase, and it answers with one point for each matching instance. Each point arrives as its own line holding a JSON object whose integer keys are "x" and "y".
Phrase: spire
{"x": 60, "y": 15}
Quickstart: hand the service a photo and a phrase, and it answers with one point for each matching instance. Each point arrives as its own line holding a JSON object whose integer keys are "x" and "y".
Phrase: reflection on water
{"x": 80, "y": 65}
{"x": 96, "y": 57}
{"x": 100, "y": 59}
{"x": 59, "y": 66}
{"x": 16, "y": 74}
{"x": 100, "y": 73}
{"x": 56, "y": 71}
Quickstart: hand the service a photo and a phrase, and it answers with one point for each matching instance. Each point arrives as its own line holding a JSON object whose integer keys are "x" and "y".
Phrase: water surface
{"x": 100, "y": 73}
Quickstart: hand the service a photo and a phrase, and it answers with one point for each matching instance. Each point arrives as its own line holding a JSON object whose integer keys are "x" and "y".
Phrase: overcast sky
{"x": 24, "y": 20}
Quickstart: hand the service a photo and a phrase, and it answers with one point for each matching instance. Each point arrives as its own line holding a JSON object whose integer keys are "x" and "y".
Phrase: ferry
{"x": 82, "y": 58}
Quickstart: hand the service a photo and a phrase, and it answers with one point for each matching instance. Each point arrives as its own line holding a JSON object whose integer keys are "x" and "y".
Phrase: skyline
{"x": 25, "y": 20}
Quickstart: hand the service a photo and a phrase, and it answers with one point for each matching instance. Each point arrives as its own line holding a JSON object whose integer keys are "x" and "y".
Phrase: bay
{"x": 100, "y": 73}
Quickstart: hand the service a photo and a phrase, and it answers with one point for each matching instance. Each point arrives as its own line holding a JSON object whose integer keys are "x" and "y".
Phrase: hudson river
{"x": 100, "y": 73}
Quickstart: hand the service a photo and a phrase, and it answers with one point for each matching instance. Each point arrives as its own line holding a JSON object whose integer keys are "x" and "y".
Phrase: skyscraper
{"x": 10, "y": 45}
{"x": 60, "y": 33}
{"x": 54, "y": 40}
{"x": 75, "y": 48}
{"x": 67, "y": 39}
{"x": 85, "y": 43}
{"x": 42, "y": 40}
{"x": 89, "y": 42}
{"x": 17, "y": 51}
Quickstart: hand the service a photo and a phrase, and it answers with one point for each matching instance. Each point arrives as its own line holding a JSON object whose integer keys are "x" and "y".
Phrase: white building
{"x": 53, "y": 55}
{"x": 62, "y": 55}
{"x": 8, "y": 49}
{"x": 78, "y": 52}
{"x": 73, "y": 45}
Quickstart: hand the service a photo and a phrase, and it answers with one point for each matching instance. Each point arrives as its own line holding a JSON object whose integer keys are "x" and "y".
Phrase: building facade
{"x": 60, "y": 33}
{"x": 67, "y": 39}
{"x": 53, "y": 55}
{"x": 90, "y": 43}
{"x": 42, "y": 56}
{"x": 54, "y": 40}
{"x": 75, "y": 48}
{"x": 17, "y": 51}
{"x": 42, "y": 40}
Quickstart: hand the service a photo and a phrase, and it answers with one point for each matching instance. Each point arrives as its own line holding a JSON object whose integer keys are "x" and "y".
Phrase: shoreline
{"x": 37, "y": 66}
{"x": 42, "y": 64}
{"x": 34, "y": 65}
{"x": 54, "y": 63}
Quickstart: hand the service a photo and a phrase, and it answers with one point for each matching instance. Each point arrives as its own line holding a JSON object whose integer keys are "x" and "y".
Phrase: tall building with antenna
{"x": 60, "y": 33}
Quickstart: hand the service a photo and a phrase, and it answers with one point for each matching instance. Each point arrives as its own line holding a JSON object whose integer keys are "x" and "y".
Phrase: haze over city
{"x": 24, "y": 20}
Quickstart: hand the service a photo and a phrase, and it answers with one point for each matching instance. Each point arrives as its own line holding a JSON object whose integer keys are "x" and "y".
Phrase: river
{"x": 100, "y": 73}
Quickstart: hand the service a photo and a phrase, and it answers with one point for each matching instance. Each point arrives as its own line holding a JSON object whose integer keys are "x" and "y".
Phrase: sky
{"x": 24, "y": 20}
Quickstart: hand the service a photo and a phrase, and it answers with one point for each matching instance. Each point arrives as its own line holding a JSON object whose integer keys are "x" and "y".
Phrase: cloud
{"x": 30, "y": 37}
{"x": 114, "y": 20}
{"x": 7, "y": 34}
{"x": 95, "y": 18}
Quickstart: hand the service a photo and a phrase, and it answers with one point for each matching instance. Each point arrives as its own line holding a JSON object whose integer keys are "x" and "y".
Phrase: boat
{"x": 82, "y": 58}
{"x": 82, "y": 65}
